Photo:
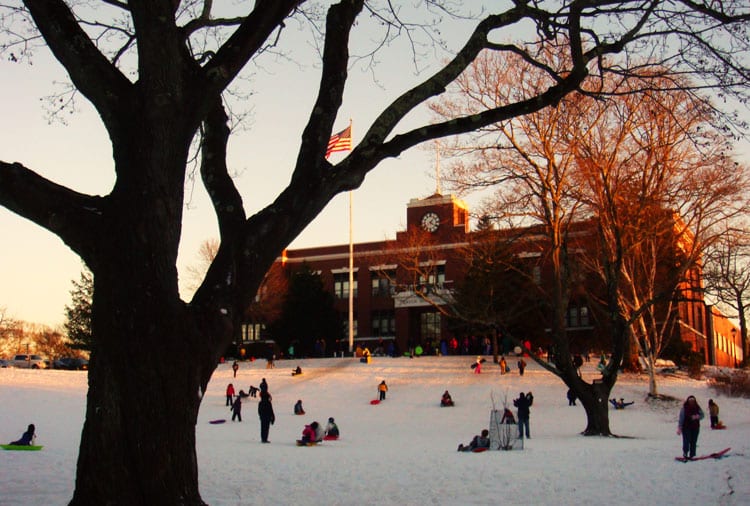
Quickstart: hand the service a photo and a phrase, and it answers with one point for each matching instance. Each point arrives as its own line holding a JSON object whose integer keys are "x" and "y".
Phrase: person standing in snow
{"x": 237, "y": 408}
{"x": 689, "y": 425}
{"x": 521, "y": 366}
{"x": 267, "y": 417}
{"x": 382, "y": 389}
{"x": 230, "y": 394}
{"x": 235, "y": 367}
{"x": 523, "y": 403}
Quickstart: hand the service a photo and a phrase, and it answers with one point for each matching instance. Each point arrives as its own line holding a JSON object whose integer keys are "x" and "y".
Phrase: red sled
{"x": 374, "y": 401}
{"x": 479, "y": 450}
{"x": 330, "y": 438}
{"x": 719, "y": 426}
{"x": 716, "y": 455}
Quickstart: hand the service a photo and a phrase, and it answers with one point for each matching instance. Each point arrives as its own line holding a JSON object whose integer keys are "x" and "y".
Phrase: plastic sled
{"x": 220, "y": 420}
{"x": 375, "y": 401}
{"x": 309, "y": 443}
{"x": 27, "y": 448}
{"x": 330, "y": 438}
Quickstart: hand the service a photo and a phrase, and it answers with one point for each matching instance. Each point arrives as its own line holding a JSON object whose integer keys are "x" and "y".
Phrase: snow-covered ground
{"x": 403, "y": 451}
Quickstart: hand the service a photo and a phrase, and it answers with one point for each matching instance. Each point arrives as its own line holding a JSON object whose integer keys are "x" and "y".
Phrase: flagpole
{"x": 351, "y": 263}
{"x": 351, "y": 277}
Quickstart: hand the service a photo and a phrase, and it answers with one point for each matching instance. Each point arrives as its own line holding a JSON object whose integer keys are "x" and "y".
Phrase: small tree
{"x": 307, "y": 314}
{"x": 78, "y": 314}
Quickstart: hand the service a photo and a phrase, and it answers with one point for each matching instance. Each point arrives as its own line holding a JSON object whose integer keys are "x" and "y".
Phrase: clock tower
{"x": 438, "y": 214}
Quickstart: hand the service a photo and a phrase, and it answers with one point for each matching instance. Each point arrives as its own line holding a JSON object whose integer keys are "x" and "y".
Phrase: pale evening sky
{"x": 36, "y": 268}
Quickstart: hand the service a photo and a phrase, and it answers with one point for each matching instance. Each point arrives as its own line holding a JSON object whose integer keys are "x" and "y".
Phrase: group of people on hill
{"x": 312, "y": 432}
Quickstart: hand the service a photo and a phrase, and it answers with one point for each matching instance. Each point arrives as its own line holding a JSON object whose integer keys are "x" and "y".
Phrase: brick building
{"x": 427, "y": 258}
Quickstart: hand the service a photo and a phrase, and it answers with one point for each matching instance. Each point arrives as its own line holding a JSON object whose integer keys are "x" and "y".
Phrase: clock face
{"x": 430, "y": 222}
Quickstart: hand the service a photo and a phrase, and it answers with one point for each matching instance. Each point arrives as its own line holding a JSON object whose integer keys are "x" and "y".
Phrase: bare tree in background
{"x": 156, "y": 71}
{"x": 727, "y": 275}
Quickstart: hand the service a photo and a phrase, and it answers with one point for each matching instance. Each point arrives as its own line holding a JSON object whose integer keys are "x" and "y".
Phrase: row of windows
{"x": 383, "y": 283}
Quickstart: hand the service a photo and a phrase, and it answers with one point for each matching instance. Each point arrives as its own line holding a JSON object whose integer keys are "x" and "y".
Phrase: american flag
{"x": 341, "y": 141}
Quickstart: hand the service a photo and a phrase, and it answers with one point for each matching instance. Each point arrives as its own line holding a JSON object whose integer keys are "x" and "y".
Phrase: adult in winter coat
{"x": 27, "y": 439}
{"x": 523, "y": 403}
{"x": 689, "y": 425}
{"x": 267, "y": 418}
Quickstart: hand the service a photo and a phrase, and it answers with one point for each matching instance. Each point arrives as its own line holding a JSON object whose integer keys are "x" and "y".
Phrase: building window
{"x": 345, "y": 326}
{"x": 435, "y": 278}
{"x": 578, "y": 316}
{"x": 383, "y": 323}
{"x": 429, "y": 326}
{"x": 252, "y": 331}
{"x": 381, "y": 284}
{"x": 341, "y": 285}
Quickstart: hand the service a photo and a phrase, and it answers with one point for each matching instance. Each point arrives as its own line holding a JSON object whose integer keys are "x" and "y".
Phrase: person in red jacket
{"x": 309, "y": 433}
{"x": 230, "y": 394}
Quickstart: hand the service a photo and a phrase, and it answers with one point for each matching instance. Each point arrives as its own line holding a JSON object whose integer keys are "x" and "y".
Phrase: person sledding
{"x": 309, "y": 434}
{"x": 28, "y": 437}
{"x": 297, "y": 371}
{"x": 620, "y": 404}
{"x": 446, "y": 400}
{"x": 479, "y": 442}
{"x": 332, "y": 430}
{"x": 298, "y": 410}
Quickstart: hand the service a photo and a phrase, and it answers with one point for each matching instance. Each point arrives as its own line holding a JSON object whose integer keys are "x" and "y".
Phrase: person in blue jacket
{"x": 27, "y": 439}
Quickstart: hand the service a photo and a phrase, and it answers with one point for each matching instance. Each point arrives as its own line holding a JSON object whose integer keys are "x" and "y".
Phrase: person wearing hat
{"x": 332, "y": 430}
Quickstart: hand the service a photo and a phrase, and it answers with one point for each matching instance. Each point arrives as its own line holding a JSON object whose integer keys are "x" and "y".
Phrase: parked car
{"x": 71, "y": 364}
{"x": 29, "y": 361}
{"x": 4, "y": 363}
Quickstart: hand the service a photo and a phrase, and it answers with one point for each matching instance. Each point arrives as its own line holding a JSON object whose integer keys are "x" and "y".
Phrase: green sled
{"x": 28, "y": 448}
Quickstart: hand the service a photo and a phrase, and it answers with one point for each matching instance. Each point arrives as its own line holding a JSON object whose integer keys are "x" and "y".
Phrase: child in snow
{"x": 480, "y": 441}
{"x": 309, "y": 433}
{"x": 713, "y": 413}
{"x": 332, "y": 430}
{"x": 621, "y": 404}
{"x": 28, "y": 437}
{"x": 298, "y": 408}
{"x": 503, "y": 365}
{"x": 230, "y": 394}
{"x": 296, "y": 371}
{"x": 382, "y": 389}
{"x": 521, "y": 366}
{"x": 446, "y": 400}
{"x": 478, "y": 366}
{"x": 508, "y": 417}
{"x": 237, "y": 408}
{"x": 253, "y": 391}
